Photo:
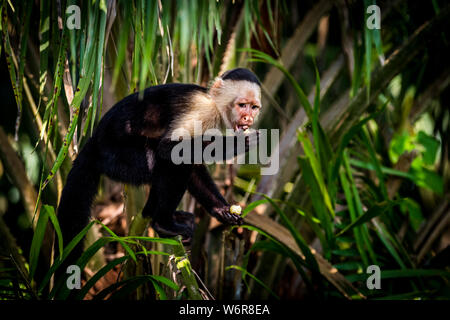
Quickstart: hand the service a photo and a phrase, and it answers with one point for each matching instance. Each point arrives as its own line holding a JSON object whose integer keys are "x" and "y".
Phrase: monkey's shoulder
{"x": 174, "y": 88}
{"x": 163, "y": 96}
{"x": 150, "y": 112}
{"x": 172, "y": 94}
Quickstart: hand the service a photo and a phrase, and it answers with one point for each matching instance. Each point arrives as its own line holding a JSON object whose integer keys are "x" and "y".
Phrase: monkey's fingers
{"x": 225, "y": 216}
{"x": 234, "y": 219}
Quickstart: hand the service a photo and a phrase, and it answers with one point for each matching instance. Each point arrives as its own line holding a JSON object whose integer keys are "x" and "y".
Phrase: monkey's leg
{"x": 169, "y": 183}
{"x": 130, "y": 162}
{"x": 185, "y": 218}
{"x": 203, "y": 188}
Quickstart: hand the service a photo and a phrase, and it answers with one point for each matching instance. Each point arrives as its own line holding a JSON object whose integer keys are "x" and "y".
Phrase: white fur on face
{"x": 226, "y": 93}
{"x": 229, "y": 90}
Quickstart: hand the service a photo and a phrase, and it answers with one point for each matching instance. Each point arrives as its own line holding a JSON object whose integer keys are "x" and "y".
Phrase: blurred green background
{"x": 363, "y": 116}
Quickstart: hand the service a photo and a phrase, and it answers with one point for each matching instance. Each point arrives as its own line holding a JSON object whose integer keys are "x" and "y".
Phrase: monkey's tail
{"x": 76, "y": 199}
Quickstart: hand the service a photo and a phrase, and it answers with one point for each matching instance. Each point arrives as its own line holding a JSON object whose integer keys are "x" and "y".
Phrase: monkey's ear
{"x": 218, "y": 83}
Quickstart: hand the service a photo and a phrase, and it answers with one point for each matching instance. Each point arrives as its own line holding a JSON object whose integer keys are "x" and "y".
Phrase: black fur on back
{"x": 240, "y": 74}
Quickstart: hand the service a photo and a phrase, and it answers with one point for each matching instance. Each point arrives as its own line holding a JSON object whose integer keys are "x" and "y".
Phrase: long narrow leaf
{"x": 309, "y": 257}
{"x": 36, "y": 242}
{"x": 246, "y": 273}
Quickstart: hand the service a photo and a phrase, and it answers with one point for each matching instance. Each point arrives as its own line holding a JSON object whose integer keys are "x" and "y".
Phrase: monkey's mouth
{"x": 241, "y": 127}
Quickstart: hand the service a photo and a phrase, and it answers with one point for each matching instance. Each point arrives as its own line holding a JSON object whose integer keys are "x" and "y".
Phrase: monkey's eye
{"x": 241, "y": 105}
{"x": 255, "y": 107}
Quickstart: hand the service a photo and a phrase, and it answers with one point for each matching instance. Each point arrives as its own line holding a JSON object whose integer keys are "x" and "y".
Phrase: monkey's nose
{"x": 248, "y": 120}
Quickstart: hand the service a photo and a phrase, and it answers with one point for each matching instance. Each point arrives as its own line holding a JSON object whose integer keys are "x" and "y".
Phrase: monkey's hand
{"x": 224, "y": 215}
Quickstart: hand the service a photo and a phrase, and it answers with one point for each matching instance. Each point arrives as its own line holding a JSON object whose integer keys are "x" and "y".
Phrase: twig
{"x": 435, "y": 217}
{"x": 434, "y": 235}
{"x": 187, "y": 274}
{"x": 16, "y": 171}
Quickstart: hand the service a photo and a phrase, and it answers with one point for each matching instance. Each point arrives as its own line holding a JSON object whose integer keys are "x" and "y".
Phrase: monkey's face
{"x": 239, "y": 102}
{"x": 245, "y": 110}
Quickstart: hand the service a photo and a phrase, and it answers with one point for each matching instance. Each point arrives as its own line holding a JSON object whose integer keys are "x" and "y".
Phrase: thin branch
{"x": 16, "y": 171}
{"x": 274, "y": 78}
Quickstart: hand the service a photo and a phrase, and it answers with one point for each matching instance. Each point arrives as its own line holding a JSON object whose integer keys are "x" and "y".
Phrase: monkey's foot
{"x": 174, "y": 228}
{"x": 225, "y": 216}
{"x": 185, "y": 218}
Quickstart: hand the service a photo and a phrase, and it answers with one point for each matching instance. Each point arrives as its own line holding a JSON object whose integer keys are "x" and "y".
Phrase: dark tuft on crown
{"x": 240, "y": 74}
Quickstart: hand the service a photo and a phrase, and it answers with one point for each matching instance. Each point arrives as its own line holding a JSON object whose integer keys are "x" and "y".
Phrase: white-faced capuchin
{"x": 132, "y": 144}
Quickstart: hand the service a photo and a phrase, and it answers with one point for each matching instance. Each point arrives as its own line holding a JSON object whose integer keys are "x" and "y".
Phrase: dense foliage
{"x": 363, "y": 153}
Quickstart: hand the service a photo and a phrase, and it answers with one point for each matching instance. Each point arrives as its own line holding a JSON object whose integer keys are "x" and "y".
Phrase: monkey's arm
{"x": 228, "y": 147}
{"x": 205, "y": 191}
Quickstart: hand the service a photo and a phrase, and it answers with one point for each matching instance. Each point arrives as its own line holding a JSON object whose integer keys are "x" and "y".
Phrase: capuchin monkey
{"x": 132, "y": 144}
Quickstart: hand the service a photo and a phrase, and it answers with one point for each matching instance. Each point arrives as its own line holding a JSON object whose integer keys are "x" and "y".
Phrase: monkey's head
{"x": 237, "y": 95}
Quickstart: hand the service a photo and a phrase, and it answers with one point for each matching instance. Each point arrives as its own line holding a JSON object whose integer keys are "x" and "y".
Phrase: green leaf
{"x": 131, "y": 284}
{"x": 252, "y": 206}
{"x": 426, "y": 178}
{"x": 359, "y": 211}
{"x": 120, "y": 240}
{"x": 348, "y": 136}
{"x": 81, "y": 262}
{"x": 51, "y": 108}
{"x": 319, "y": 208}
{"x": 431, "y": 145}
{"x": 371, "y": 213}
{"x": 309, "y": 257}
{"x": 67, "y": 250}
{"x": 99, "y": 62}
{"x": 263, "y": 57}
{"x": 93, "y": 280}
{"x": 353, "y": 215}
{"x": 349, "y": 265}
{"x": 415, "y": 213}
{"x": 38, "y": 237}
{"x": 346, "y": 252}
{"x": 358, "y": 72}
{"x": 402, "y": 273}
{"x": 376, "y": 163}
{"x": 16, "y": 79}
{"x": 278, "y": 248}
{"x": 317, "y": 170}
{"x": 166, "y": 281}
{"x": 161, "y": 294}
{"x": 44, "y": 45}
{"x": 367, "y": 50}
{"x": 51, "y": 213}
{"x": 246, "y": 273}
{"x": 152, "y": 239}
